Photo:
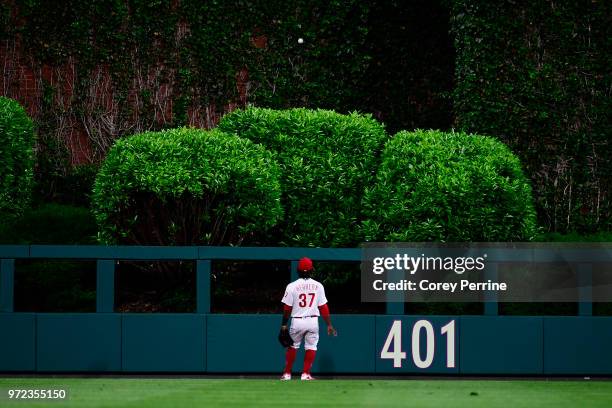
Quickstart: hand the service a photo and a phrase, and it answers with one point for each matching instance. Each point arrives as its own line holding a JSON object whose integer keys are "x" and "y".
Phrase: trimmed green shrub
{"x": 72, "y": 187}
{"x": 52, "y": 285}
{"x": 16, "y": 158}
{"x": 55, "y": 286}
{"x": 326, "y": 159}
{"x": 186, "y": 187}
{"x": 435, "y": 186}
{"x": 51, "y": 224}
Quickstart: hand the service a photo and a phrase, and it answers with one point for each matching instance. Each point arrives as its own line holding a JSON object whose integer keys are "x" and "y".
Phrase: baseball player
{"x": 304, "y": 301}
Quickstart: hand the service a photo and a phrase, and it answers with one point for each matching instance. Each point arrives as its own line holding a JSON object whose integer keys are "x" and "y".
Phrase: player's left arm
{"x": 324, "y": 310}
{"x": 331, "y": 330}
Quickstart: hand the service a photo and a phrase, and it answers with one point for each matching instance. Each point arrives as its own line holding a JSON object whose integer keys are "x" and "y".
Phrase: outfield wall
{"x": 218, "y": 343}
{"x": 201, "y": 342}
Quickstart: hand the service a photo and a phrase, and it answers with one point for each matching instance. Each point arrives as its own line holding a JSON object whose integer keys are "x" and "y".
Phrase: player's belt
{"x": 303, "y": 317}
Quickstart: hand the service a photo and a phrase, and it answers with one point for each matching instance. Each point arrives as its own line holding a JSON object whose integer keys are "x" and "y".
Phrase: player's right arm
{"x": 324, "y": 310}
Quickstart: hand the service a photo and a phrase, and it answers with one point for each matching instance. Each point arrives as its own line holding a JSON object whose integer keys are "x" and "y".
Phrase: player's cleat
{"x": 285, "y": 377}
{"x": 307, "y": 377}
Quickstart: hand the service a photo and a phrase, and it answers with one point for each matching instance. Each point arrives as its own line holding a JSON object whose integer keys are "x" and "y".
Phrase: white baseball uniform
{"x": 305, "y": 296}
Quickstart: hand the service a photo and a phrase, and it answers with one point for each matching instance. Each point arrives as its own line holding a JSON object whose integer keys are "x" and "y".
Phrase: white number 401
{"x": 394, "y": 341}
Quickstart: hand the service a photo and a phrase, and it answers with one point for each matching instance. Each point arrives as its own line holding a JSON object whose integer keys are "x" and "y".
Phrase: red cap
{"x": 305, "y": 264}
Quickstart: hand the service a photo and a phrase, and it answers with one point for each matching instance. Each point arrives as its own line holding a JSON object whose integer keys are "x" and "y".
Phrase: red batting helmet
{"x": 305, "y": 264}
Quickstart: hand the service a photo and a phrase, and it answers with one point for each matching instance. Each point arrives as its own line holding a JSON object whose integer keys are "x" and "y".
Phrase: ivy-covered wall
{"x": 534, "y": 74}
{"x": 537, "y": 75}
{"x": 99, "y": 70}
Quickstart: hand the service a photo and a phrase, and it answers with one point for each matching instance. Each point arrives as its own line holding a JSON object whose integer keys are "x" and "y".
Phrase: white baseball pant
{"x": 306, "y": 328}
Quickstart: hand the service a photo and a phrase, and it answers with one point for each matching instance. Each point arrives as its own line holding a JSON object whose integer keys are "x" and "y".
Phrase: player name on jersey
{"x": 305, "y": 287}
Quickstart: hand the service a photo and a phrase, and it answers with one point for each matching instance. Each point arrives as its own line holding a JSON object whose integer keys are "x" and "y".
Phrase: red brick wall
{"x": 23, "y": 78}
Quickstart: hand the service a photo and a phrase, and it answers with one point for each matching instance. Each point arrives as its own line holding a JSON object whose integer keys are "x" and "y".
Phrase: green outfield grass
{"x": 157, "y": 393}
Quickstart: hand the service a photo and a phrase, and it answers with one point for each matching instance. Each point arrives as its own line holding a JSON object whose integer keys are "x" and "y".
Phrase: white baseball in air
{"x": 300, "y": 40}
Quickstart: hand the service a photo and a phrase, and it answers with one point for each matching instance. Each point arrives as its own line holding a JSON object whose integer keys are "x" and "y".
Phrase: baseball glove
{"x": 284, "y": 338}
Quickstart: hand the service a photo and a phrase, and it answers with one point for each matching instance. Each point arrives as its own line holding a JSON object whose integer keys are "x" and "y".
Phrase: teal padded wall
{"x": 439, "y": 364}
{"x": 17, "y": 341}
{"x": 501, "y": 345}
{"x": 578, "y": 345}
{"x": 78, "y": 342}
{"x": 350, "y": 352}
{"x": 244, "y": 343}
{"x": 163, "y": 342}
{"x": 248, "y": 343}
{"x": 112, "y": 342}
